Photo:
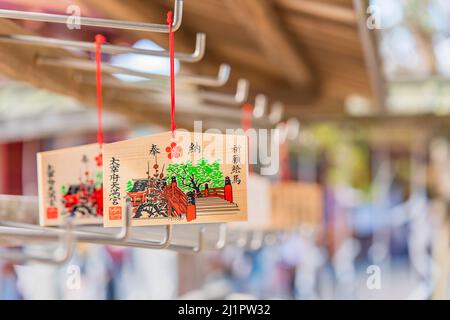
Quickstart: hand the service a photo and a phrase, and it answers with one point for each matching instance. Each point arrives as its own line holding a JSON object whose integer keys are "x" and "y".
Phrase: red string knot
{"x": 169, "y": 18}
{"x": 99, "y": 39}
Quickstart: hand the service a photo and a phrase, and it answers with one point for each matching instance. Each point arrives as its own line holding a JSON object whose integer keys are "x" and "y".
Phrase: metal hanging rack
{"x": 85, "y": 65}
{"x": 242, "y": 239}
{"x": 292, "y": 128}
{"x": 257, "y": 240}
{"x": 260, "y": 107}
{"x": 96, "y": 22}
{"x": 69, "y": 235}
{"x": 260, "y": 110}
{"x": 276, "y": 112}
{"x": 146, "y": 85}
{"x": 222, "y": 240}
{"x": 37, "y": 233}
{"x": 241, "y": 95}
{"x": 196, "y": 56}
{"x": 60, "y": 256}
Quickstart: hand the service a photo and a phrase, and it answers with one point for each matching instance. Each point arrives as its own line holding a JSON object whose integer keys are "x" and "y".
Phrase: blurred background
{"x": 362, "y": 91}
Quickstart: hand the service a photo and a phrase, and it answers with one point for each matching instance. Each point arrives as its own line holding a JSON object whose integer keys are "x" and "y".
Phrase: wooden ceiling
{"x": 309, "y": 54}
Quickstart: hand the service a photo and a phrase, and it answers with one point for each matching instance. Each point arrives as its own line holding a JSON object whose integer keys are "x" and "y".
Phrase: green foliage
{"x": 129, "y": 186}
{"x": 63, "y": 189}
{"x": 98, "y": 180}
{"x": 192, "y": 177}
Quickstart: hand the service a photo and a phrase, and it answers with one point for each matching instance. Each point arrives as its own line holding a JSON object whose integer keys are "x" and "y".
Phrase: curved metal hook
{"x": 177, "y": 16}
{"x": 260, "y": 106}
{"x": 96, "y": 22}
{"x": 81, "y": 235}
{"x": 276, "y": 112}
{"x": 119, "y": 239}
{"x": 122, "y": 238}
{"x": 85, "y": 236}
{"x": 257, "y": 240}
{"x": 292, "y": 128}
{"x": 85, "y": 65}
{"x": 222, "y": 77}
{"x": 200, "y": 48}
{"x": 238, "y": 98}
{"x": 59, "y": 257}
{"x": 197, "y": 55}
{"x": 222, "y": 241}
{"x": 188, "y": 249}
{"x": 51, "y": 234}
{"x": 138, "y": 243}
{"x": 242, "y": 239}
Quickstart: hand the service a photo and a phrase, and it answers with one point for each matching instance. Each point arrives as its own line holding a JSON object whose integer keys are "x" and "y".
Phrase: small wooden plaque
{"x": 282, "y": 205}
{"x": 259, "y": 204}
{"x": 70, "y": 184}
{"x": 188, "y": 178}
{"x": 296, "y": 203}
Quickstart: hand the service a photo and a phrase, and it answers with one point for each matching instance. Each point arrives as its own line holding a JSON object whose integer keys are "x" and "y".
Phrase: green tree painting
{"x": 129, "y": 186}
{"x": 193, "y": 177}
{"x": 98, "y": 180}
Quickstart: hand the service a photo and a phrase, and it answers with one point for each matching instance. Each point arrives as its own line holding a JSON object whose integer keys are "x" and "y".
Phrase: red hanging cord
{"x": 246, "y": 123}
{"x": 99, "y": 40}
{"x": 172, "y": 73}
{"x": 247, "y": 114}
{"x": 285, "y": 167}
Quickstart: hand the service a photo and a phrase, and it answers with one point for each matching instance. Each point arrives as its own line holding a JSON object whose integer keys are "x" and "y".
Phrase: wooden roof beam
{"x": 371, "y": 55}
{"x": 260, "y": 20}
{"x": 322, "y": 10}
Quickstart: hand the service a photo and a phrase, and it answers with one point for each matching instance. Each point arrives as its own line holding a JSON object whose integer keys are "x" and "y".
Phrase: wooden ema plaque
{"x": 70, "y": 185}
{"x": 282, "y": 205}
{"x": 189, "y": 178}
{"x": 296, "y": 203}
{"x": 259, "y": 203}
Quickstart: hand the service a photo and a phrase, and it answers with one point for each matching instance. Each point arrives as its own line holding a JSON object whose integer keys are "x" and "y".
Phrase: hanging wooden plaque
{"x": 282, "y": 205}
{"x": 296, "y": 203}
{"x": 70, "y": 185}
{"x": 189, "y": 178}
{"x": 259, "y": 204}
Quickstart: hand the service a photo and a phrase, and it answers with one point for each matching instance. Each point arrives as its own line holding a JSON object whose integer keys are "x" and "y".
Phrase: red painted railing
{"x": 212, "y": 192}
{"x": 180, "y": 203}
{"x": 225, "y": 192}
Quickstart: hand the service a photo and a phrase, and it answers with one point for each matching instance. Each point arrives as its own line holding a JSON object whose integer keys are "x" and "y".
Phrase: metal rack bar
{"x": 80, "y": 234}
{"x": 21, "y": 230}
{"x": 201, "y": 109}
{"x": 238, "y": 98}
{"x": 145, "y": 85}
{"x": 60, "y": 256}
{"x": 276, "y": 112}
{"x": 122, "y": 235}
{"x": 38, "y": 233}
{"x": 135, "y": 243}
{"x": 187, "y": 249}
{"x": 260, "y": 107}
{"x": 96, "y": 22}
{"x": 223, "y": 233}
{"x": 85, "y": 65}
{"x": 242, "y": 240}
{"x": 257, "y": 240}
{"x": 197, "y": 55}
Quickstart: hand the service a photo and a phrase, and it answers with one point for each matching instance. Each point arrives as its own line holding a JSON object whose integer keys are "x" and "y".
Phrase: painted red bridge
{"x": 206, "y": 202}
